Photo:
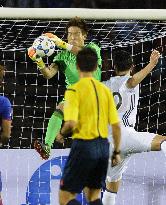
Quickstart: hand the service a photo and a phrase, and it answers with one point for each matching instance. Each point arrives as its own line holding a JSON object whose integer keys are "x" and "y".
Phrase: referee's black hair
{"x": 87, "y": 60}
{"x": 122, "y": 60}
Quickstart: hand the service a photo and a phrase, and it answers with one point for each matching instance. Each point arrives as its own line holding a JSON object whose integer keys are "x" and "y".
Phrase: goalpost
{"x": 66, "y": 13}
{"x": 34, "y": 98}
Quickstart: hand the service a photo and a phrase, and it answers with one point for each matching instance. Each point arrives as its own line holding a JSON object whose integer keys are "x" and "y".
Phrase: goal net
{"x": 34, "y": 98}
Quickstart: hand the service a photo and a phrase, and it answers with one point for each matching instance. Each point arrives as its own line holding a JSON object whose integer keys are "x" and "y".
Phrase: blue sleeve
{"x": 6, "y": 109}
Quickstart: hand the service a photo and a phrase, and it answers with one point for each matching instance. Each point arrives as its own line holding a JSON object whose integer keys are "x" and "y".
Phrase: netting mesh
{"x": 34, "y": 98}
{"x": 19, "y": 34}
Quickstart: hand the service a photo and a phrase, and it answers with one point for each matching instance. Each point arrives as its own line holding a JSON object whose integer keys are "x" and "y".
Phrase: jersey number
{"x": 118, "y": 99}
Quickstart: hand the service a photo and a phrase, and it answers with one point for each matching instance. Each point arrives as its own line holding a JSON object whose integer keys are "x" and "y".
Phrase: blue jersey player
{"x": 5, "y": 121}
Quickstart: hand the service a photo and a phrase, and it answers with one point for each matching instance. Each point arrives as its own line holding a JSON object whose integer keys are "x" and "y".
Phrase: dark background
{"x": 107, "y": 4}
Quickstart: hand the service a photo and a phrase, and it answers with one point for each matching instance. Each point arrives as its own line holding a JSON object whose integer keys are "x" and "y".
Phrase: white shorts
{"x": 132, "y": 142}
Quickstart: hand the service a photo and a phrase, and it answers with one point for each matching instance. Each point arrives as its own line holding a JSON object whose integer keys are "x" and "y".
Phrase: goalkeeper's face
{"x": 75, "y": 36}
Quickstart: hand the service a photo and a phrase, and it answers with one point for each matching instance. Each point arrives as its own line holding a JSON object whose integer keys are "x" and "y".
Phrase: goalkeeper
{"x": 65, "y": 61}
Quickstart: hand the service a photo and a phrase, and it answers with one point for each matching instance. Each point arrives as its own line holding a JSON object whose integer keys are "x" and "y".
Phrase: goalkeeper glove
{"x": 36, "y": 58}
{"x": 58, "y": 41}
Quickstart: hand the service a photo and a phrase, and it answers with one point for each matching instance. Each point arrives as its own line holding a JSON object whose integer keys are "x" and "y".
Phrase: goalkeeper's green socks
{"x": 54, "y": 126}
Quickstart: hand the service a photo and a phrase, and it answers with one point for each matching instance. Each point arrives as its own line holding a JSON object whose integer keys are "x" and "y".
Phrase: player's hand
{"x": 154, "y": 57}
{"x": 58, "y": 42}
{"x": 32, "y": 54}
{"x": 116, "y": 159}
{"x": 49, "y": 35}
{"x": 60, "y": 138}
{"x": 52, "y": 37}
{"x": 3, "y": 141}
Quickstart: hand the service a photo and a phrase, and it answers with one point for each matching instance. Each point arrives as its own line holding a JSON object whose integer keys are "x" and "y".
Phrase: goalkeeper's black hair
{"x": 78, "y": 22}
{"x": 122, "y": 60}
{"x": 87, "y": 60}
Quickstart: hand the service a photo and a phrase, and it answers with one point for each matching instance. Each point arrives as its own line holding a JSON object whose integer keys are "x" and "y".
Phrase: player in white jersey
{"x": 125, "y": 89}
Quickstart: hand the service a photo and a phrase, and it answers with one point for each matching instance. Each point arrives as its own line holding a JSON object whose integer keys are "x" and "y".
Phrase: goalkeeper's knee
{"x": 59, "y": 113}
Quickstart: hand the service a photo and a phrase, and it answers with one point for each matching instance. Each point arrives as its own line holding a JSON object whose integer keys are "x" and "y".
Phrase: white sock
{"x": 109, "y": 198}
{"x": 163, "y": 147}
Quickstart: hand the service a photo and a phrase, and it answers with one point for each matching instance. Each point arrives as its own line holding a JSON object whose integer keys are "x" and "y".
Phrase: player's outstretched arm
{"x": 62, "y": 44}
{"x": 6, "y": 131}
{"x": 48, "y": 72}
{"x": 138, "y": 77}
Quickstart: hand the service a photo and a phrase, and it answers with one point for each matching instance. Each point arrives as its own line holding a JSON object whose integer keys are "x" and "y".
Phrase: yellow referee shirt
{"x": 91, "y": 104}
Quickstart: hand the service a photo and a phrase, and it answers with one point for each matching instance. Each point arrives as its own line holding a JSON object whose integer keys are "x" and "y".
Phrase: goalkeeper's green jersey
{"x": 67, "y": 63}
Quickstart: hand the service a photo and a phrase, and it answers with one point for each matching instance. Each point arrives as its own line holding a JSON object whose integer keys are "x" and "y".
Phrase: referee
{"x": 89, "y": 109}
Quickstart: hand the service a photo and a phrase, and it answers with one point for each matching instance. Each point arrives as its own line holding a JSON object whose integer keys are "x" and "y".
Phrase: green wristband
{"x": 40, "y": 64}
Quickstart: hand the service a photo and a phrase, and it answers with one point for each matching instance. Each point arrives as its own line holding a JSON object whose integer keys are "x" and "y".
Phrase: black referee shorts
{"x": 86, "y": 165}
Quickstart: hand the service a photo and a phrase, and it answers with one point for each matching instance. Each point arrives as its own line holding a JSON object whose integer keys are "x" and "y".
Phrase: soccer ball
{"x": 43, "y": 46}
